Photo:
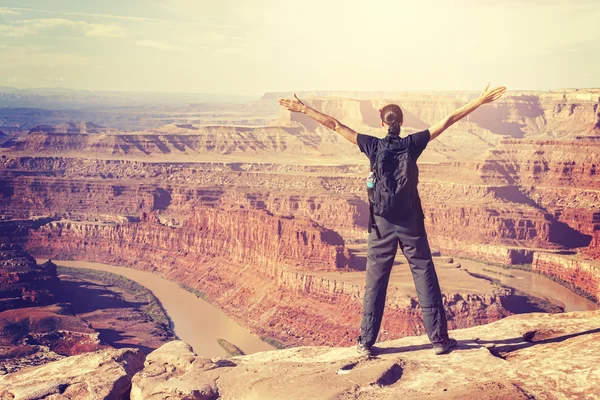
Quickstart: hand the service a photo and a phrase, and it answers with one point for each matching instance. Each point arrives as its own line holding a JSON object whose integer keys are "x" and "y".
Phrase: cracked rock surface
{"x": 529, "y": 356}
{"x": 104, "y": 374}
{"x": 541, "y": 356}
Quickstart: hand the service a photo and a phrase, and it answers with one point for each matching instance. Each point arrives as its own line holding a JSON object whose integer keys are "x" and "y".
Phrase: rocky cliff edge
{"x": 541, "y": 356}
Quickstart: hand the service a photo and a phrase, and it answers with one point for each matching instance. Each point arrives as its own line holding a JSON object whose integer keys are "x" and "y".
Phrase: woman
{"x": 399, "y": 225}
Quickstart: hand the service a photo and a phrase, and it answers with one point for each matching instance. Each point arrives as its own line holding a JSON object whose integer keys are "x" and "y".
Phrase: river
{"x": 200, "y": 324}
{"x": 195, "y": 321}
{"x": 531, "y": 283}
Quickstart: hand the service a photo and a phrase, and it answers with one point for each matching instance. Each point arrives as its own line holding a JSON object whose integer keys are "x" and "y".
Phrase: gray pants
{"x": 410, "y": 234}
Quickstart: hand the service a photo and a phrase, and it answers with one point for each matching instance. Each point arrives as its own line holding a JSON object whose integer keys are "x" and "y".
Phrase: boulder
{"x": 104, "y": 374}
{"x": 174, "y": 371}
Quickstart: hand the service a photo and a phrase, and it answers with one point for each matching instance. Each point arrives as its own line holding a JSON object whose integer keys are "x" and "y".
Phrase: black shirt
{"x": 415, "y": 143}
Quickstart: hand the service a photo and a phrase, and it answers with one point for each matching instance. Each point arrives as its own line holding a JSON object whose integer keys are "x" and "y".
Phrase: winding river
{"x": 533, "y": 284}
{"x": 195, "y": 321}
{"x": 200, "y": 324}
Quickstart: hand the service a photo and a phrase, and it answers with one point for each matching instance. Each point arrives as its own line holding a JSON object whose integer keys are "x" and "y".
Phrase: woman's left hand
{"x": 293, "y": 105}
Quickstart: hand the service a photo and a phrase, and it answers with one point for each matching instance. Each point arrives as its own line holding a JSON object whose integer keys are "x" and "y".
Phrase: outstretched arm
{"x": 330, "y": 122}
{"x": 487, "y": 96}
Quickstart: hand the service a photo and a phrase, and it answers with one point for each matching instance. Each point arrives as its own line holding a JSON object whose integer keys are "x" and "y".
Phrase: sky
{"x": 254, "y": 46}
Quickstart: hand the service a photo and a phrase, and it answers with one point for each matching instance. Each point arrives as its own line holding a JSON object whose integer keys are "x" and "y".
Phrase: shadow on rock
{"x": 498, "y": 348}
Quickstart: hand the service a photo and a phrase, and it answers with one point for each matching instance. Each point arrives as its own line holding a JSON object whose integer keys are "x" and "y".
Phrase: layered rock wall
{"x": 268, "y": 288}
{"x": 500, "y": 212}
{"x": 484, "y": 224}
{"x": 26, "y": 197}
{"x": 253, "y": 237}
{"x": 34, "y": 328}
{"x": 516, "y": 114}
{"x": 492, "y": 253}
{"x": 593, "y": 251}
{"x": 24, "y": 283}
{"x": 181, "y": 141}
{"x": 582, "y": 274}
{"x": 520, "y": 196}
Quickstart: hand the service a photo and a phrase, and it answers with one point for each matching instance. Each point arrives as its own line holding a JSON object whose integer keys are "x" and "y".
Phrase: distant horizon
{"x": 61, "y": 88}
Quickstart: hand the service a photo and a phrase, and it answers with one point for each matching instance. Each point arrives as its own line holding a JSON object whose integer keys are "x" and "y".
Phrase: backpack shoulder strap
{"x": 373, "y": 161}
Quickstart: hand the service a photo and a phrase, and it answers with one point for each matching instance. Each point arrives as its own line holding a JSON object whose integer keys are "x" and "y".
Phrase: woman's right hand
{"x": 293, "y": 105}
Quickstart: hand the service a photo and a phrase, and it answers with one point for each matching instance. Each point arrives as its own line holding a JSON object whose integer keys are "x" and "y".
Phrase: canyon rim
{"x": 267, "y": 224}
{"x": 173, "y": 227}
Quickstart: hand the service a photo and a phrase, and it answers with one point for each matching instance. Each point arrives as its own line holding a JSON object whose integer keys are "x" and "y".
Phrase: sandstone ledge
{"x": 104, "y": 374}
{"x": 542, "y": 356}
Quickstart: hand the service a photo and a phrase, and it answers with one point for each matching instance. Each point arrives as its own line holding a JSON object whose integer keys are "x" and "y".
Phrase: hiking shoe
{"x": 442, "y": 348}
{"x": 364, "y": 350}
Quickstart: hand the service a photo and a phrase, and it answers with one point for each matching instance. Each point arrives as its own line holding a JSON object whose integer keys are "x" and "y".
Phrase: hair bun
{"x": 390, "y": 118}
{"x": 391, "y": 114}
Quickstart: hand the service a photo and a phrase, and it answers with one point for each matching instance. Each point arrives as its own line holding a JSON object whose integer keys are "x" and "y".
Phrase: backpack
{"x": 394, "y": 182}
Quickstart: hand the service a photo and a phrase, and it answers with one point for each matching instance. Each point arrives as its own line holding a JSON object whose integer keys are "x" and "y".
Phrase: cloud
{"x": 103, "y": 30}
{"x": 124, "y": 17}
{"x": 7, "y": 11}
{"x": 33, "y": 26}
{"x": 30, "y": 27}
{"x": 159, "y": 45}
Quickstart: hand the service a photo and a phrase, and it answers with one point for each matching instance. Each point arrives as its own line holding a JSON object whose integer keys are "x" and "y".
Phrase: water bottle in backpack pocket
{"x": 371, "y": 185}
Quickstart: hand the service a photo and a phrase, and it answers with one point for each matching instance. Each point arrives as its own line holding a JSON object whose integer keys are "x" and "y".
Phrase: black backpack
{"x": 395, "y": 182}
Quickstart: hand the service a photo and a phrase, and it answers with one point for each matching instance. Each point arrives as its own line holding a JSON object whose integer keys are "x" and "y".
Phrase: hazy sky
{"x": 254, "y": 46}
